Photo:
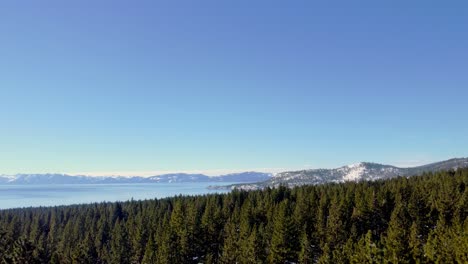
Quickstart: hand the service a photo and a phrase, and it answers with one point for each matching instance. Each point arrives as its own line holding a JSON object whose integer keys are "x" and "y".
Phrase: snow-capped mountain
{"x": 233, "y": 177}
{"x": 166, "y": 178}
{"x": 356, "y": 172}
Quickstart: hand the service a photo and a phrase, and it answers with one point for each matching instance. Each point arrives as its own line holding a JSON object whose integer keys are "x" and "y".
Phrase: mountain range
{"x": 250, "y": 180}
{"x": 165, "y": 178}
{"x": 356, "y": 172}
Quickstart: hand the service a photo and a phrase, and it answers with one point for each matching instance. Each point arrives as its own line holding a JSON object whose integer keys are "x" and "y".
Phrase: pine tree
{"x": 23, "y": 252}
{"x": 396, "y": 242}
{"x": 326, "y": 256}
{"x": 283, "y": 241}
{"x": 5, "y": 246}
{"x": 415, "y": 242}
{"x": 336, "y": 225}
{"x": 305, "y": 255}
{"x": 367, "y": 251}
{"x": 253, "y": 251}
{"x": 210, "y": 224}
{"x": 448, "y": 244}
{"x": 103, "y": 242}
{"x": 231, "y": 248}
{"x": 121, "y": 250}
{"x": 86, "y": 252}
{"x": 179, "y": 234}
{"x": 139, "y": 237}
{"x": 150, "y": 256}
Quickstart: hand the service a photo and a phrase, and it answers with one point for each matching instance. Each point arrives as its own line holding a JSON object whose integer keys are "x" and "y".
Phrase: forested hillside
{"x": 403, "y": 220}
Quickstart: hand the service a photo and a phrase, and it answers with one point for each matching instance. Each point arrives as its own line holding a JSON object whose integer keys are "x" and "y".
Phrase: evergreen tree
{"x": 150, "y": 256}
{"x": 179, "y": 234}
{"x": 283, "y": 241}
{"x": 254, "y": 251}
{"x": 86, "y": 252}
{"x": 231, "y": 248}
{"x": 305, "y": 255}
{"x": 121, "y": 250}
{"x": 367, "y": 251}
{"x": 396, "y": 242}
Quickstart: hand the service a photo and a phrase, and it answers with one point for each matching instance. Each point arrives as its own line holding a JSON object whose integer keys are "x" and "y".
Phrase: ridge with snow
{"x": 364, "y": 171}
{"x": 165, "y": 178}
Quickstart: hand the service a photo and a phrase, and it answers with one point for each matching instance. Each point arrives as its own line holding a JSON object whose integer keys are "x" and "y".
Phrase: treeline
{"x": 405, "y": 220}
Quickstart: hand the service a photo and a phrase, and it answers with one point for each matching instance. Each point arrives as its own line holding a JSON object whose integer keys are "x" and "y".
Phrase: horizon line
{"x": 220, "y": 172}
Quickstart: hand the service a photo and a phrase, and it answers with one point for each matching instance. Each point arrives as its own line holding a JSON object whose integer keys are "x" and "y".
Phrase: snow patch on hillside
{"x": 355, "y": 172}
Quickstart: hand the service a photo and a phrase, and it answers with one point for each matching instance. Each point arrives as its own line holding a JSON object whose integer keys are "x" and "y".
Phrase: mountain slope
{"x": 165, "y": 178}
{"x": 356, "y": 172}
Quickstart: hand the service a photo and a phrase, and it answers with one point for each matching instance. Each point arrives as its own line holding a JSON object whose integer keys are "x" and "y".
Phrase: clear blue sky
{"x": 230, "y": 85}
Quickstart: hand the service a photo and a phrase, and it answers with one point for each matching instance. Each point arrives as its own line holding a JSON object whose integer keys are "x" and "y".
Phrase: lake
{"x": 13, "y": 196}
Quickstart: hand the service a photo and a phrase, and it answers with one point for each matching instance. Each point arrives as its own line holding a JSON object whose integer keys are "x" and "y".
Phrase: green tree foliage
{"x": 121, "y": 250}
{"x": 283, "y": 245}
{"x": 397, "y": 239}
{"x": 421, "y": 219}
{"x": 367, "y": 250}
{"x": 306, "y": 253}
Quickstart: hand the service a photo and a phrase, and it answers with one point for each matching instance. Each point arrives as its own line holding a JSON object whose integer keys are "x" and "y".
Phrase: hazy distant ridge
{"x": 165, "y": 178}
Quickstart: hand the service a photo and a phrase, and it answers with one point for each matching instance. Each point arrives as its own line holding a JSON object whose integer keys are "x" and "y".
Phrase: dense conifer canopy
{"x": 404, "y": 220}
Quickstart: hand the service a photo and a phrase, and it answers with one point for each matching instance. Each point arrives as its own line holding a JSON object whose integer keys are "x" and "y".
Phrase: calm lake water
{"x": 13, "y": 196}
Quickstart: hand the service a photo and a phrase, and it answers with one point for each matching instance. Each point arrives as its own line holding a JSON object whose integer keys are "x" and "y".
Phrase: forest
{"x": 421, "y": 219}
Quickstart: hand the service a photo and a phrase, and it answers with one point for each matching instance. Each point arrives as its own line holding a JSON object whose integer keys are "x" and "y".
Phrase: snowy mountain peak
{"x": 355, "y": 165}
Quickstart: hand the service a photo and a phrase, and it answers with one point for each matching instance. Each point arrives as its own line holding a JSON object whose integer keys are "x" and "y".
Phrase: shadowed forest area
{"x": 420, "y": 219}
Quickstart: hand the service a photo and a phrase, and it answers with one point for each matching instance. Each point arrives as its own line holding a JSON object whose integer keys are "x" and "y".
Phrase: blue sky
{"x": 135, "y": 88}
